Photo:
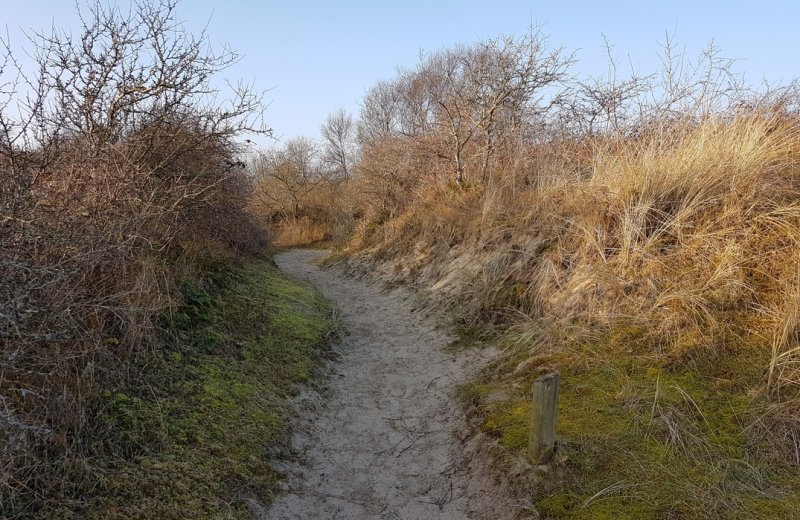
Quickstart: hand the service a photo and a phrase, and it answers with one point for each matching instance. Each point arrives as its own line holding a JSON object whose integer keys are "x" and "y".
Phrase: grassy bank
{"x": 662, "y": 284}
{"x": 187, "y": 436}
{"x": 638, "y": 438}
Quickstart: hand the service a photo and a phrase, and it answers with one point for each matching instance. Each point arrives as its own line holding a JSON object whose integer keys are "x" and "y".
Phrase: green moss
{"x": 510, "y": 422}
{"x": 639, "y": 436}
{"x": 558, "y": 504}
{"x": 186, "y": 437}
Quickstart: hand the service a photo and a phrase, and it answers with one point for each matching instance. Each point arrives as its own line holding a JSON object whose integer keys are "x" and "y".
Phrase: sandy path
{"x": 387, "y": 441}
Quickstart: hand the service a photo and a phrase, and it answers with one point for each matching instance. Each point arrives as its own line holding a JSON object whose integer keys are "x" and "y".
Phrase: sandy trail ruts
{"x": 387, "y": 440}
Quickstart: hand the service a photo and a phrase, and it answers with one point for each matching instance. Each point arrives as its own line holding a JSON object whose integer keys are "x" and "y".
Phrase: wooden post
{"x": 542, "y": 440}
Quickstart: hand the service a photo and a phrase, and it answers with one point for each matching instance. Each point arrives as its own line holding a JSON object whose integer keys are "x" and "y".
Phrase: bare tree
{"x": 286, "y": 176}
{"x": 603, "y": 105}
{"x": 483, "y": 89}
{"x": 339, "y": 152}
{"x": 416, "y": 110}
{"x": 445, "y": 77}
{"x": 510, "y": 75}
{"x": 379, "y": 113}
{"x": 125, "y": 70}
{"x": 695, "y": 88}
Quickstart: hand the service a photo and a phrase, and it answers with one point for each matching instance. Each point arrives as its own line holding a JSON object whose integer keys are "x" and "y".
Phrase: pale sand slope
{"x": 388, "y": 440}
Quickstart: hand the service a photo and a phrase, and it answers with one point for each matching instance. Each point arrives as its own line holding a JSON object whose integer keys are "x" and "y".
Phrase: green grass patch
{"x": 188, "y": 436}
{"x": 471, "y": 335}
{"x": 640, "y": 437}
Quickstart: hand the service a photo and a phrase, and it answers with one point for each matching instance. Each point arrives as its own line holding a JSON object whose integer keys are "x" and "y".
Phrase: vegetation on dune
{"x": 120, "y": 182}
{"x": 187, "y": 435}
{"x": 639, "y": 235}
{"x": 640, "y": 438}
{"x": 201, "y": 418}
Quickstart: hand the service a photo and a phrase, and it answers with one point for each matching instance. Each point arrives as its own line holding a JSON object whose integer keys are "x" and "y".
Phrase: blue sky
{"x": 319, "y": 55}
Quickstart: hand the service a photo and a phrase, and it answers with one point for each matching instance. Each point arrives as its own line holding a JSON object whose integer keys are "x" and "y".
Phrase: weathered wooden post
{"x": 542, "y": 440}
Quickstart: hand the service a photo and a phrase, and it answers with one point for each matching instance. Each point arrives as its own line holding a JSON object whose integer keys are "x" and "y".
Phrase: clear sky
{"x": 319, "y": 55}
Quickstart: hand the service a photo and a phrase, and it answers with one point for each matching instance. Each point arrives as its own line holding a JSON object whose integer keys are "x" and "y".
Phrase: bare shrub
{"x": 119, "y": 175}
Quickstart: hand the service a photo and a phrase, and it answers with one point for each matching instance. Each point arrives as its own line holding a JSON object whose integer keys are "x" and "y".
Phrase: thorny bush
{"x": 119, "y": 175}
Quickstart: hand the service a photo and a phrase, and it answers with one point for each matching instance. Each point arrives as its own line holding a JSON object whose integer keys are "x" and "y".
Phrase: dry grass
{"x": 688, "y": 236}
{"x": 674, "y": 230}
{"x": 303, "y": 232}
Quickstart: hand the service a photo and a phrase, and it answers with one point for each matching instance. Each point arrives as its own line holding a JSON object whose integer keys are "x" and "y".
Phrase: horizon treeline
{"x": 470, "y": 114}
